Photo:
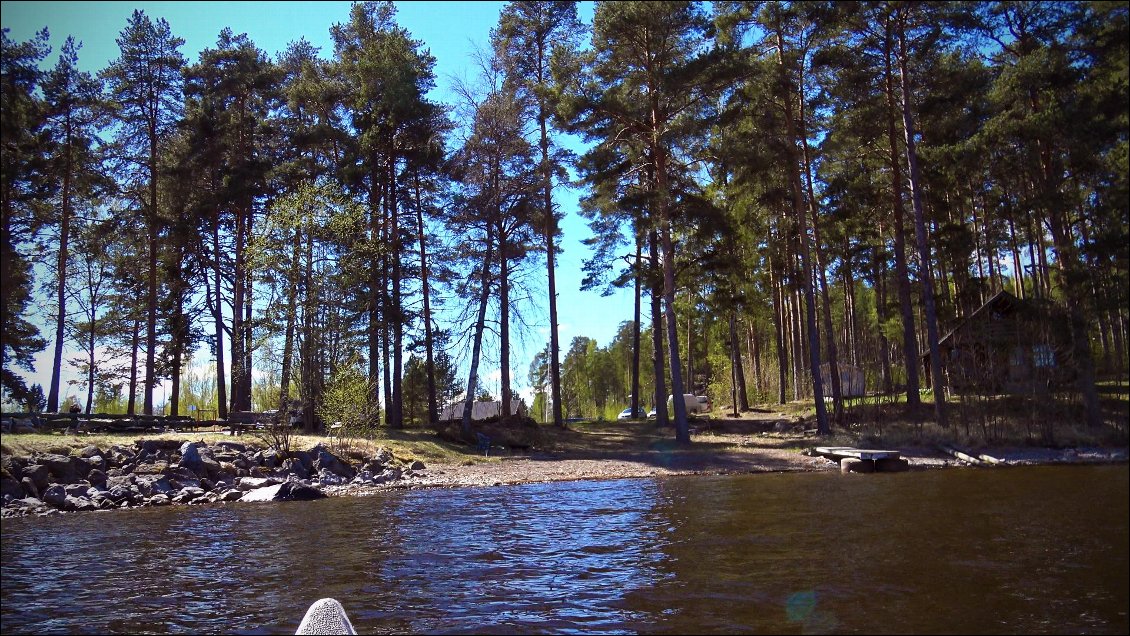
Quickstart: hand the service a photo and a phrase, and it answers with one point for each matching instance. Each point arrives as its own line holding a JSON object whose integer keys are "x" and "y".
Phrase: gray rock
{"x": 76, "y": 490}
{"x": 231, "y": 495}
{"x": 265, "y": 493}
{"x": 31, "y": 504}
{"x": 12, "y": 465}
{"x": 29, "y": 487}
{"x": 118, "y": 494}
{"x": 149, "y": 485}
{"x": 190, "y": 457}
{"x": 210, "y": 468}
{"x": 96, "y": 477}
{"x": 9, "y": 486}
{"x": 55, "y": 495}
{"x": 118, "y": 456}
{"x": 120, "y": 480}
{"x": 78, "y": 503}
{"x": 159, "y": 500}
{"x": 297, "y": 491}
{"x": 39, "y": 474}
{"x": 59, "y": 466}
{"x": 327, "y": 478}
{"x": 90, "y": 451}
{"x": 254, "y": 483}
{"x": 188, "y": 494}
{"x": 325, "y": 460}
{"x": 232, "y": 446}
{"x": 286, "y": 491}
{"x": 294, "y": 466}
{"x": 417, "y": 465}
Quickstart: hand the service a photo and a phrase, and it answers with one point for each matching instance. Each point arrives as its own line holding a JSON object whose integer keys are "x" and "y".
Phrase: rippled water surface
{"x": 1020, "y": 550}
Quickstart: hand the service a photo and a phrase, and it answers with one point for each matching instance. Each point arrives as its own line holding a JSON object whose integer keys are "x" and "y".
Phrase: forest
{"x": 795, "y": 191}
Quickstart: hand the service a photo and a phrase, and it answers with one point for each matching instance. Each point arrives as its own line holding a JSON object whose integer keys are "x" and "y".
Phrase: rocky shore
{"x": 171, "y": 472}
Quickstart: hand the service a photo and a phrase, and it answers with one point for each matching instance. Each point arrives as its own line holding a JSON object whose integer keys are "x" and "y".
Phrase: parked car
{"x": 626, "y": 414}
{"x": 694, "y": 404}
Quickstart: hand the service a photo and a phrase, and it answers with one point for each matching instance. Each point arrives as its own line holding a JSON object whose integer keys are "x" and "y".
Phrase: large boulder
{"x": 118, "y": 456}
{"x": 29, "y": 488}
{"x": 294, "y": 466}
{"x": 149, "y": 485}
{"x": 39, "y": 475}
{"x": 190, "y": 458}
{"x": 325, "y": 460}
{"x": 9, "y": 486}
{"x": 55, "y": 495}
{"x": 60, "y": 467}
{"x": 96, "y": 477}
{"x": 297, "y": 491}
{"x": 90, "y": 451}
{"x": 255, "y": 483}
{"x": 286, "y": 491}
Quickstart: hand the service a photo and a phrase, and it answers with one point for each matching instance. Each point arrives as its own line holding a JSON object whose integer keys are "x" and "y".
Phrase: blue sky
{"x": 451, "y": 30}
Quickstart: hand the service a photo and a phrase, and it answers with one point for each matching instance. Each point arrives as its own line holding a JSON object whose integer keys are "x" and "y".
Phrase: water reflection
{"x": 1026, "y": 550}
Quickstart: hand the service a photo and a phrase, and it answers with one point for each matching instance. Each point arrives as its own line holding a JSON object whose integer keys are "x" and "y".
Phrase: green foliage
{"x": 348, "y": 401}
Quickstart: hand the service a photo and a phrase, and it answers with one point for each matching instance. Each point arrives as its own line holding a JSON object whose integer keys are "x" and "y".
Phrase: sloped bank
{"x": 171, "y": 472}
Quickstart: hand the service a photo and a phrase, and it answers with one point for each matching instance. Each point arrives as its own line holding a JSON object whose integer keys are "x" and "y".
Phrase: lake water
{"x": 1023, "y": 550}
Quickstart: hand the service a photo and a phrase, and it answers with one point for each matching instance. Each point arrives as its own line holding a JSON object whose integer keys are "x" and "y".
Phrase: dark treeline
{"x": 787, "y": 187}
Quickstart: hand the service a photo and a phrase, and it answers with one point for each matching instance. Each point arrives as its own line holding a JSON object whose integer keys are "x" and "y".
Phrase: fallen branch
{"x": 965, "y": 457}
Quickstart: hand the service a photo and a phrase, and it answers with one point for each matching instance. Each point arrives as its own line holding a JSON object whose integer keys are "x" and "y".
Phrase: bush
{"x": 349, "y": 407}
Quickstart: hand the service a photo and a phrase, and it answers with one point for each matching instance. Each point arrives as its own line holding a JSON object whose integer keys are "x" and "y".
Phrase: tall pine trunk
{"x": 661, "y": 418}
{"x": 902, "y": 274}
{"x": 926, "y": 272}
{"x": 477, "y": 346}
{"x": 805, "y": 264}
{"x": 635, "y": 402}
{"x": 61, "y": 278}
{"x": 433, "y": 407}
{"x": 218, "y": 320}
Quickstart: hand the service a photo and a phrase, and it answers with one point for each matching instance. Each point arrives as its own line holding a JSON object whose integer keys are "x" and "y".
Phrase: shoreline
{"x": 176, "y": 473}
{"x": 546, "y": 467}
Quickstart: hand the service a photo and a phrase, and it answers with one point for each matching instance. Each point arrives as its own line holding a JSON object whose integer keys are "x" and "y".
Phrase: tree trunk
{"x": 909, "y": 338}
{"x": 806, "y": 267}
{"x": 433, "y": 408}
{"x": 237, "y": 330}
{"x": 151, "y": 293}
{"x": 936, "y": 378}
{"x": 661, "y": 418}
{"x": 61, "y": 278}
{"x": 476, "y": 348}
{"x": 397, "y": 406}
{"x": 288, "y": 338}
{"x": 822, "y": 276}
{"x": 550, "y": 252}
{"x": 635, "y": 402}
{"x": 373, "y": 304}
{"x": 779, "y": 332}
{"x": 743, "y": 395}
{"x": 504, "y": 321}
{"x": 131, "y": 403}
{"x": 218, "y": 319}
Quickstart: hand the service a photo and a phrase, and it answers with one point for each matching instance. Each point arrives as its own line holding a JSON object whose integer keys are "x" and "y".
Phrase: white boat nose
{"x": 325, "y": 616}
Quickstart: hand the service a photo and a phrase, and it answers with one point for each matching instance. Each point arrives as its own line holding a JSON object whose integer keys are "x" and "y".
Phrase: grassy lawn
{"x": 979, "y": 421}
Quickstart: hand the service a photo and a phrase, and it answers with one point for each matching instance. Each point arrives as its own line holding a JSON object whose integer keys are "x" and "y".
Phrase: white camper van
{"x": 694, "y": 404}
